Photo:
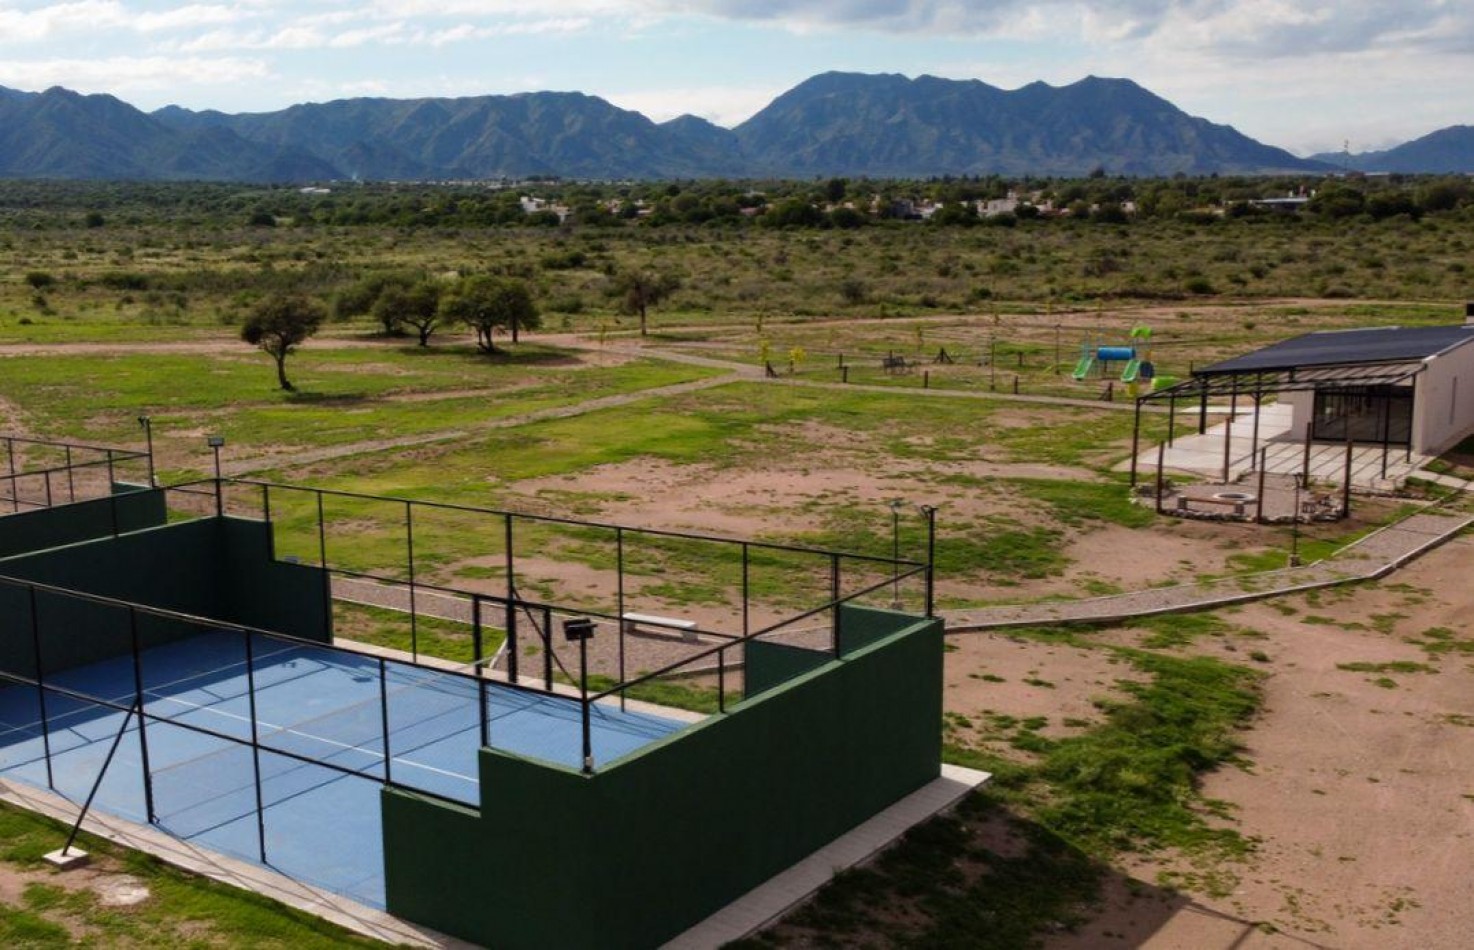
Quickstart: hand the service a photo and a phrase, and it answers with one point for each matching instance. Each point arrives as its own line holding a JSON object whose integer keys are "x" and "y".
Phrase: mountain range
{"x": 832, "y": 124}
{"x": 1447, "y": 151}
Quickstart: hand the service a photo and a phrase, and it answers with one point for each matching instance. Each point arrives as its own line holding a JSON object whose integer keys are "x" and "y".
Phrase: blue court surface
{"x": 328, "y": 706}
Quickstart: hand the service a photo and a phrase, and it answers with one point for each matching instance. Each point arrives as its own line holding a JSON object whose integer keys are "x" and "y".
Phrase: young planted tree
{"x": 417, "y": 305}
{"x": 488, "y": 304}
{"x": 644, "y": 289}
{"x": 279, "y": 324}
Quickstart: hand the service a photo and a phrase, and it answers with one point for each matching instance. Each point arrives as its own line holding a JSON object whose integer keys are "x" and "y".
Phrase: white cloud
{"x": 331, "y": 33}
{"x": 120, "y": 75}
{"x": 102, "y": 17}
{"x": 723, "y": 105}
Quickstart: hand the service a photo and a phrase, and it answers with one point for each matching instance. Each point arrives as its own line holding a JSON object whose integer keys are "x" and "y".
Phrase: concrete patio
{"x": 1226, "y": 453}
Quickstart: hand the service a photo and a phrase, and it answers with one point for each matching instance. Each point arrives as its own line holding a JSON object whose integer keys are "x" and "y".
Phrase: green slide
{"x": 1082, "y": 368}
{"x": 1133, "y": 367}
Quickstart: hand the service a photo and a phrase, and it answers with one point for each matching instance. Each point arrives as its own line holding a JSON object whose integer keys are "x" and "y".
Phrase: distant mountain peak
{"x": 1444, "y": 151}
{"x": 834, "y": 123}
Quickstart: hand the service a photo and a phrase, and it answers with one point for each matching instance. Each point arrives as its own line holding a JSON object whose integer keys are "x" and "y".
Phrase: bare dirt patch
{"x": 1360, "y": 784}
{"x": 1022, "y": 678}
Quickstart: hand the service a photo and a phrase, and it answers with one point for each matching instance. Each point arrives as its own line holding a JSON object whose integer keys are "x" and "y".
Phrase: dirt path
{"x": 240, "y": 467}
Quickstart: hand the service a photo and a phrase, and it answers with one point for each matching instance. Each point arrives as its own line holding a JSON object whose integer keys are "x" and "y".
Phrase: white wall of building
{"x": 1302, "y": 405}
{"x": 1443, "y": 409}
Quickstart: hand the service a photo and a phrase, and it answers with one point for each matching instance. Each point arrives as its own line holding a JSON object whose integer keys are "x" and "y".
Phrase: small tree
{"x": 487, "y": 304}
{"x": 278, "y": 324}
{"x": 417, "y": 306}
{"x": 645, "y": 289}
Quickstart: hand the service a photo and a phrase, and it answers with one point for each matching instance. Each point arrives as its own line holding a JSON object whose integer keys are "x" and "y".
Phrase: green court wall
{"x": 218, "y": 568}
{"x": 766, "y": 665}
{"x": 129, "y": 508}
{"x": 640, "y": 850}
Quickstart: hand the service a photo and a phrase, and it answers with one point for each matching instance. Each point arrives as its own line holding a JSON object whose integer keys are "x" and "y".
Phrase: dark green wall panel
{"x": 131, "y": 508}
{"x": 215, "y": 568}
{"x": 654, "y": 843}
{"x": 765, "y": 665}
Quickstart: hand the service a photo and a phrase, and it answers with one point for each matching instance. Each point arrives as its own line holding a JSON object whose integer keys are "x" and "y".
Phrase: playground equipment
{"x": 1136, "y": 356}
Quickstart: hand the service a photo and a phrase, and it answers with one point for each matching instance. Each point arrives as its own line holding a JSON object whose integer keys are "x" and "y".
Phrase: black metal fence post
{"x": 513, "y": 664}
{"x": 619, "y": 607}
{"x": 255, "y": 745}
{"x": 834, "y": 603}
{"x": 384, "y": 719}
{"x": 1259, "y": 496}
{"x": 414, "y": 621}
{"x": 479, "y": 654}
{"x": 266, "y": 520}
{"x": 583, "y": 690}
{"x": 746, "y": 587}
{"x": 148, "y": 435}
{"x": 71, "y": 479}
{"x": 14, "y": 483}
{"x": 1161, "y": 461}
{"x": 148, "y": 782}
{"x": 547, "y": 638}
{"x": 41, "y": 689}
{"x": 322, "y": 563}
{"x": 931, "y": 560}
{"x": 721, "y": 679}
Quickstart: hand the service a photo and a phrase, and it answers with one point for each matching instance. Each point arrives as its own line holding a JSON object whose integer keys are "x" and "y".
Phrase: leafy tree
{"x": 417, "y": 305}
{"x": 278, "y": 324}
{"x": 956, "y": 213}
{"x": 793, "y": 213}
{"x": 358, "y": 298}
{"x": 1337, "y": 201}
{"x": 487, "y": 304}
{"x": 644, "y": 289}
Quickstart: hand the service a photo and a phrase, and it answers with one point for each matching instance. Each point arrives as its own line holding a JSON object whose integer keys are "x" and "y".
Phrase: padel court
{"x": 331, "y": 727}
{"x": 169, "y": 656}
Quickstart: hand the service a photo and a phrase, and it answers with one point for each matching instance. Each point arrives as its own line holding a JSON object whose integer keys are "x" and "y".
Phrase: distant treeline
{"x": 832, "y": 203}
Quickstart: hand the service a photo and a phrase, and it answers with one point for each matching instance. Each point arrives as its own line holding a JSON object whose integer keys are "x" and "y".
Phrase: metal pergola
{"x": 1255, "y": 384}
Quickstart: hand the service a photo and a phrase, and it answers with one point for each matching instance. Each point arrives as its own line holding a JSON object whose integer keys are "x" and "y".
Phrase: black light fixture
{"x": 578, "y": 629}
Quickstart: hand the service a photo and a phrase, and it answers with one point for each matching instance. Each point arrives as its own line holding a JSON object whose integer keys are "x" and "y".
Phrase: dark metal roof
{"x": 1346, "y": 347}
{"x": 1301, "y": 379}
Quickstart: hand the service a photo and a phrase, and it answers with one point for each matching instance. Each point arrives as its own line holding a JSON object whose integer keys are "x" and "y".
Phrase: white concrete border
{"x": 767, "y": 902}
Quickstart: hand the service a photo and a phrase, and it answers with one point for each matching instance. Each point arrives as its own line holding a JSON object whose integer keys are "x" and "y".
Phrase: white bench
{"x": 633, "y": 621}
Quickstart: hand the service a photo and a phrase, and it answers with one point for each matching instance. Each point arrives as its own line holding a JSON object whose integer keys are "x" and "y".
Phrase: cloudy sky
{"x": 1302, "y": 75}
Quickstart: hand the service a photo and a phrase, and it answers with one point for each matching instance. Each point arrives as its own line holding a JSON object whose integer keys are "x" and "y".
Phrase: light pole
{"x": 148, "y": 434}
{"x": 1295, "y": 522}
{"x": 896, "y": 506}
{"x": 580, "y": 630}
{"x": 215, "y": 442}
{"x": 930, "y": 513}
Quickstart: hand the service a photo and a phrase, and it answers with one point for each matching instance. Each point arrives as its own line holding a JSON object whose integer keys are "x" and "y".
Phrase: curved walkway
{"x": 1374, "y": 556}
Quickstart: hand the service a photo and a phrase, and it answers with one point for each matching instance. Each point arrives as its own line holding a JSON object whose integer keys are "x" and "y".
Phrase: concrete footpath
{"x": 1374, "y": 556}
